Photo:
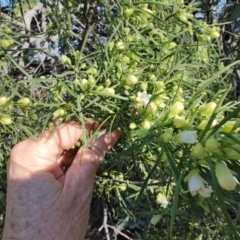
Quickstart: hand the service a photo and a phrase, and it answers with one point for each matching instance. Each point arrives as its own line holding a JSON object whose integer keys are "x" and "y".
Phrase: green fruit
{"x": 6, "y": 43}
{"x": 147, "y": 124}
{"x": 66, "y": 60}
{"x": 122, "y": 187}
{"x": 147, "y": 13}
{"x": 167, "y": 136}
{"x": 131, "y": 80}
{"x": 208, "y": 108}
{"x": 179, "y": 122}
{"x": 198, "y": 151}
{"x": 224, "y": 176}
{"x": 83, "y": 84}
{"x": 214, "y": 34}
{"x": 182, "y": 17}
{"x": 59, "y": 113}
{"x": 91, "y": 81}
{"x": 175, "y": 109}
{"x": 107, "y": 91}
{"x": 3, "y": 101}
{"x": 7, "y": 30}
{"x": 92, "y": 71}
{"x": 120, "y": 45}
{"x": 143, "y": 6}
{"x": 5, "y": 121}
{"x": 212, "y": 145}
{"x": 128, "y": 12}
{"x": 23, "y": 102}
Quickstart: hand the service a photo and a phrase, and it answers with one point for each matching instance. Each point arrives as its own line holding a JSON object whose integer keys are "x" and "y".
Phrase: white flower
{"x": 164, "y": 203}
{"x": 143, "y": 98}
{"x": 188, "y": 136}
{"x": 196, "y": 184}
{"x": 162, "y": 200}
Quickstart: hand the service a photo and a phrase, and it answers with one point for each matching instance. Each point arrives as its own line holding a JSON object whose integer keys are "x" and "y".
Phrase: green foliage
{"x": 160, "y": 79}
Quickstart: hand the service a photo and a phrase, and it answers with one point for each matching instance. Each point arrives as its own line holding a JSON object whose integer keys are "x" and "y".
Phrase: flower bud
{"x": 131, "y": 80}
{"x": 91, "y": 81}
{"x": 59, "y": 113}
{"x": 50, "y": 124}
{"x": 128, "y": 12}
{"x": 204, "y": 123}
{"x": 110, "y": 91}
{"x": 143, "y": 6}
{"x": 66, "y": 60}
{"x": 99, "y": 88}
{"x": 159, "y": 85}
{"x": 175, "y": 109}
{"x": 147, "y": 14}
{"x": 83, "y": 84}
{"x": 152, "y": 77}
{"x": 198, "y": 151}
{"x": 83, "y": 66}
{"x": 236, "y": 124}
{"x": 170, "y": 46}
{"x": 147, "y": 124}
{"x": 7, "y": 30}
{"x": 231, "y": 153}
{"x": 132, "y": 126}
{"x": 81, "y": 96}
{"x": 179, "y": 122}
{"x": 23, "y": 102}
{"x": 228, "y": 126}
{"x": 126, "y": 30}
{"x": 151, "y": 108}
{"x": 213, "y": 33}
{"x": 144, "y": 86}
{"x": 224, "y": 176}
{"x": 212, "y": 145}
{"x": 5, "y": 43}
{"x": 122, "y": 187}
{"x": 120, "y": 45}
{"x": 92, "y": 71}
{"x": 208, "y": 109}
{"x": 110, "y": 46}
{"x": 167, "y": 135}
{"x": 76, "y": 81}
{"x": 125, "y": 60}
{"x": 3, "y": 101}
{"x": 159, "y": 103}
{"x": 203, "y": 38}
{"x": 5, "y": 120}
{"x": 107, "y": 83}
{"x": 182, "y": 17}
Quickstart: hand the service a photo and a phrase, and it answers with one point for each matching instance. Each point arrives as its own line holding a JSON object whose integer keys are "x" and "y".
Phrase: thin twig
{"x": 105, "y": 217}
{"x": 119, "y": 232}
{"x": 134, "y": 182}
{"x": 19, "y": 24}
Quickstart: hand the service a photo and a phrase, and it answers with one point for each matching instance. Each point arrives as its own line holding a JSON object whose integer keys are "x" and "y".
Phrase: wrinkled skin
{"x": 43, "y": 202}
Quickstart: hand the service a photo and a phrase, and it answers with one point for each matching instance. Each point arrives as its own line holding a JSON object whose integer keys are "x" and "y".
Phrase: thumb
{"x": 82, "y": 171}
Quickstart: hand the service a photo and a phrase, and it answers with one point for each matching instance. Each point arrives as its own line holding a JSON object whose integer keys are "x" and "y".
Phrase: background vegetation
{"x": 167, "y": 73}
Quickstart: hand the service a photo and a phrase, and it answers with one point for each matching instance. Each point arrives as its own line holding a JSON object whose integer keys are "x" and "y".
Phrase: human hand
{"x": 43, "y": 202}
